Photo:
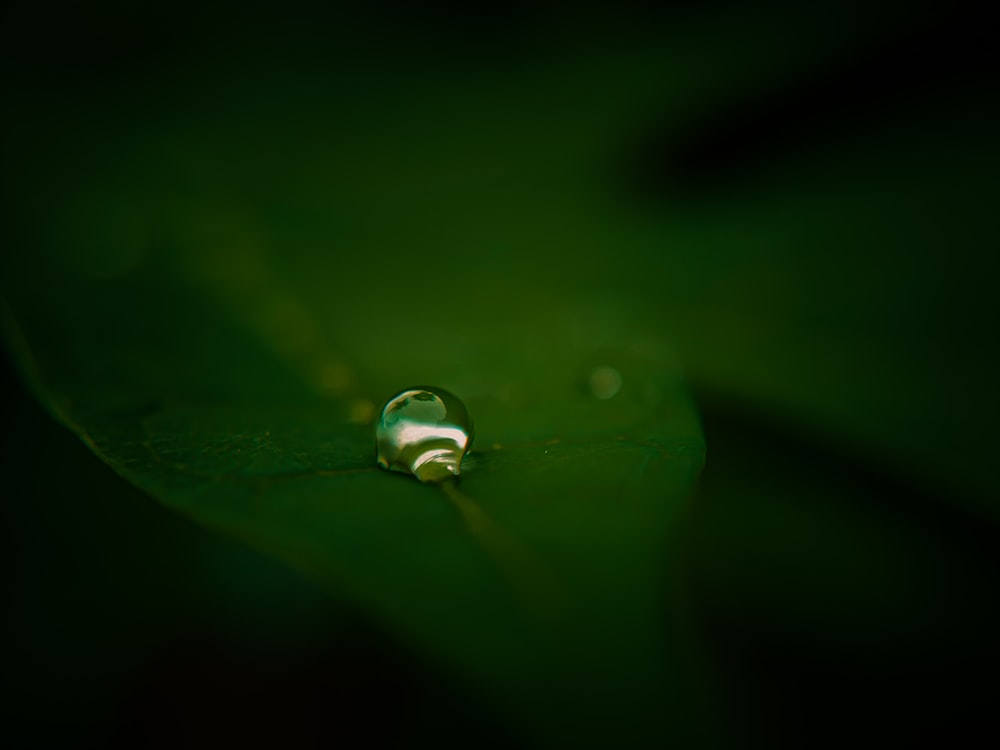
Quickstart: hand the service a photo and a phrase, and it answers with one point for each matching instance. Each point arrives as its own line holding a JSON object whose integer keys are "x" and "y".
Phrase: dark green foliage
{"x": 217, "y": 284}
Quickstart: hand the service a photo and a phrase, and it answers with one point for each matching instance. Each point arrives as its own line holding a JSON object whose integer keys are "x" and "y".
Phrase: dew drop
{"x": 361, "y": 411}
{"x": 605, "y": 382}
{"x": 424, "y": 432}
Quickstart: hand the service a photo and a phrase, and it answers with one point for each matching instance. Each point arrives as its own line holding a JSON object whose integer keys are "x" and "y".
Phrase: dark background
{"x": 840, "y": 601}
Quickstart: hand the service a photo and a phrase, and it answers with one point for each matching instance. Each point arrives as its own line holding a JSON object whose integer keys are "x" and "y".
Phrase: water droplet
{"x": 362, "y": 411}
{"x": 605, "y": 382}
{"x": 332, "y": 375}
{"x": 424, "y": 432}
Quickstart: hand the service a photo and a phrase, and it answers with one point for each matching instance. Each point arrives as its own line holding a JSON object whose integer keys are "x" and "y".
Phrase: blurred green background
{"x": 218, "y": 217}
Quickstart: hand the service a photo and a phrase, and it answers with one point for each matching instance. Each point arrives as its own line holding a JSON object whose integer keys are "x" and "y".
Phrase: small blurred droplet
{"x": 333, "y": 376}
{"x": 362, "y": 411}
{"x": 424, "y": 432}
{"x": 605, "y": 382}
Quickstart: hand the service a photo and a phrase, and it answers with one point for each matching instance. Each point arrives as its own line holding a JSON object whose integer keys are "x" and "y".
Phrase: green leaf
{"x": 217, "y": 289}
{"x": 222, "y": 333}
{"x": 542, "y": 568}
{"x": 843, "y": 289}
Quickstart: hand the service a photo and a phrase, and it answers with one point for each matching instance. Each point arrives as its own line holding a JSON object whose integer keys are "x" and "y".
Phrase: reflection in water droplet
{"x": 605, "y": 382}
{"x": 424, "y": 432}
